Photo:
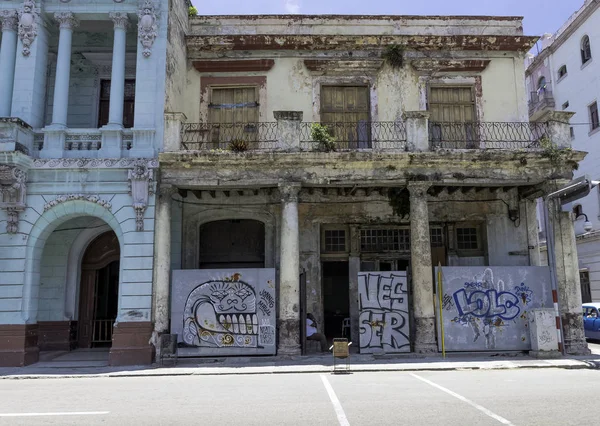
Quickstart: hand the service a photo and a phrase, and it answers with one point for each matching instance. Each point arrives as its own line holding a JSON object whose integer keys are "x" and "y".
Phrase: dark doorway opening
{"x": 99, "y": 292}
{"x": 336, "y": 295}
{"x": 236, "y": 243}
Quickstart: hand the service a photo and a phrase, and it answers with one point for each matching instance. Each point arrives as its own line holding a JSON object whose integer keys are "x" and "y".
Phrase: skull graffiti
{"x": 221, "y": 314}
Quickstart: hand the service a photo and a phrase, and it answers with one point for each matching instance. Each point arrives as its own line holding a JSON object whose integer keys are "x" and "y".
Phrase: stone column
{"x": 289, "y": 271}
{"x": 533, "y": 239}
{"x": 117, "y": 79}
{"x": 60, "y": 109}
{"x": 567, "y": 279}
{"x": 422, "y": 271}
{"x": 417, "y": 130}
{"x": 162, "y": 262}
{"x": 8, "y": 59}
{"x": 288, "y": 130}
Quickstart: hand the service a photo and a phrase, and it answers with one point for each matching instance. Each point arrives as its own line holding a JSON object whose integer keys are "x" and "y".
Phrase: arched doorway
{"x": 98, "y": 292}
{"x": 234, "y": 243}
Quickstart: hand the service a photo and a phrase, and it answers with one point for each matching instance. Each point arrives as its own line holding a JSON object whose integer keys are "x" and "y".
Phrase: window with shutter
{"x": 346, "y": 112}
{"x": 233, "y": 114}
{"x": 452, "y": 116}
{"x": 128, "y": 103}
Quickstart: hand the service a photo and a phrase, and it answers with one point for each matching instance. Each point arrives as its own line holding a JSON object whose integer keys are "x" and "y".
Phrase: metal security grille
{"x": 467, "y": 239}
{"x": 437, "y": 237}
{"x": 383, "y": 240}
{"x": 335, "y": 240}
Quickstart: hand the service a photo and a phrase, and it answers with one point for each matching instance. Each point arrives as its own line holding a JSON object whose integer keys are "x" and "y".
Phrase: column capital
{"x": 289, "y": 191}
{"x": 418, "y": 189}
{"x": 9, "y": 20}
{"x": 166, "y": 191}
{"x": 120, "y": 19}
{"x": 66, "y": 20}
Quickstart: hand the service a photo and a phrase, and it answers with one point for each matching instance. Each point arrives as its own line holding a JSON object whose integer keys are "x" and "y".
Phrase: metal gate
{"x": 384, "y": 316}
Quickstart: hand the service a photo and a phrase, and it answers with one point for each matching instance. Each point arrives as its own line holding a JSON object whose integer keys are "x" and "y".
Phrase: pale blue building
{"x": 83, "y": 93}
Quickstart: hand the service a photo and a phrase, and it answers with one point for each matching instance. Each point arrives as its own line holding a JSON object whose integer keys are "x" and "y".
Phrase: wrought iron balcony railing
{"x": 380, "y": 135}
{"x": 541, "y": 99}
{"x": 487, "y": 135}
{"x": 236, "y": 137}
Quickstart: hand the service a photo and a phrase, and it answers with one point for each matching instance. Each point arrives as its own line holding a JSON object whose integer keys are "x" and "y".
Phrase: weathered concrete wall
{"x": 175, "y": 83}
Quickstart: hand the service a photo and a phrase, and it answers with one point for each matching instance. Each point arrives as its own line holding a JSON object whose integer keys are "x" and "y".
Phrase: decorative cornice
{"x": 450, "y": 65}
{"x": 29, "y": 15}
{"x": 74, "y": 197}
{"x": 9, "y": 20}
{"x": 343, "y": 66}
{"x": 147, "y": 26}
{"x": 245, "y": 65}
{"x": 92, "y": 163}
{"x": 120, "y": 19}
{"x": 515, "y": 43}
{"x": 66, "y": 20}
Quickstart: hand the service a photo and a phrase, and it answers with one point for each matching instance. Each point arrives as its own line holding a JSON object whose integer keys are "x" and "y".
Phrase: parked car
{"x": 591, "y": 320}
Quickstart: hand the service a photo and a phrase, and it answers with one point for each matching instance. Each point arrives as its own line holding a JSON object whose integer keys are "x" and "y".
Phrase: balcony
{"x": 540, "y": 102}
{"x": 378, "y": 135}
{"x": 229, "y": 137}
{"x": 487, "y": 135}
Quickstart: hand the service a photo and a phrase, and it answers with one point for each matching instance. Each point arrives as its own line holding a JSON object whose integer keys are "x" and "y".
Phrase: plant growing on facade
{"x": 394, "y": 56}
{"x": 192, "y": 11}
{"x": 552, "y": 152}
{"x": 238, "y": 145}
{"x": 399, "y": 200}
{"x": 322, "y": 135}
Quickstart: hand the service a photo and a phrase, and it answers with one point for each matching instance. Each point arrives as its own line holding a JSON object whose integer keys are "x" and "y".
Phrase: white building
{"x": 565, "y": 75}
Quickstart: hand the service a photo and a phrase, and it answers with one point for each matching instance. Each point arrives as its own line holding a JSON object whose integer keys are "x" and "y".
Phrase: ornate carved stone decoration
{"x": 9, "y": 20}
{"x": 91, "y": 163}
{"x": 72, "y": 197}
{"x": 140, "y": 188}
{"x": 66, "y": 20}
{"x": 13, "y": 186}
{"x": 289, "y": 192}
{"x": 29, "y": 16}
{"x": 147, "y": 26}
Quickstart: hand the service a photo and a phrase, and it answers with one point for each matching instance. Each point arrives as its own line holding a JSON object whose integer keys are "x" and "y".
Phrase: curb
{"x": 231, "y": 371}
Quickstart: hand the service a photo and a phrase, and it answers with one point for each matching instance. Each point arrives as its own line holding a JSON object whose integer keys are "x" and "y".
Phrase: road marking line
{"x": 73, "y": 413}
{"x": 339, "y": 411}
{"x": 468, "y": 401}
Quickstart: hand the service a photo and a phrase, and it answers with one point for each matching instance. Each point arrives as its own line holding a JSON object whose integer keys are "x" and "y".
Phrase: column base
{"x": 425, "y": 341}
{"x": 289, "y": 337}
{"x": 55, "y": 336}
{"x": 18, "y": 345}
{"x": 131, "y": 344}
{"x": 573, "y": 335}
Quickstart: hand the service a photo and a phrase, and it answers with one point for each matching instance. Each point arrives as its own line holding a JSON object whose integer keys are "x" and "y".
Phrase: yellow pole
{"x": 440, "y": 292}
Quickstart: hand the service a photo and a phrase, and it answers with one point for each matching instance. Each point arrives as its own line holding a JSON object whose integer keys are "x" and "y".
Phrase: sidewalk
{"x": 307, "y": 364}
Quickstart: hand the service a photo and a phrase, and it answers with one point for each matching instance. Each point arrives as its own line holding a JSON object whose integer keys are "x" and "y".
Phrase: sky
{"x": 541, "y": 16}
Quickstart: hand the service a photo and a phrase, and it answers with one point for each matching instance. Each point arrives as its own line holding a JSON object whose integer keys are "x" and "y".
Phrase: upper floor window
{"x": 346, "y": 112}
{"x": 562, "y": 71}
{"x": 541, "y": 83}
{"x": 233, "y": 115}
{"x": 586, "y": 50}
{"x": 128, "y": 103}
{"x": 594, "y": 119}
{"x": 452, "y": 112}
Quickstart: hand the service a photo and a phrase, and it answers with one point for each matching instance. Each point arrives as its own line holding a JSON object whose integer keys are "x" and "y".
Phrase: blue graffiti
{"x": 487, "y": 304}
{"x": 524, "y": 293}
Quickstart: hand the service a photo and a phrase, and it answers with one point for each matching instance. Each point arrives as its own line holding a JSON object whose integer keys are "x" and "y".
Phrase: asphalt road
{"x": 510, "y": 397}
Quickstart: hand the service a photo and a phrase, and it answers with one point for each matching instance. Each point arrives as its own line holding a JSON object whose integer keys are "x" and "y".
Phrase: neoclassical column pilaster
{"x": 162, "y": 260}
{"x": 289, "y": 321}
{"x": 67, "y": 23}
{"x": 8, "y": 59}
{"x": 422, "y": 275}
{"x": 117, "y": 81}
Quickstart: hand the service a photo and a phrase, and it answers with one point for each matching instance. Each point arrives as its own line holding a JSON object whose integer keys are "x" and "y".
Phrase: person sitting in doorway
{"x": 313, "y": 334}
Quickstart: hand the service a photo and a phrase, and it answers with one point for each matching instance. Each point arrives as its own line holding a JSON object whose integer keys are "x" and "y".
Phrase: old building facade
{"x": 325, "y": 149}
{"x": 564, "y": 76}
{"x": 83, "y": 88}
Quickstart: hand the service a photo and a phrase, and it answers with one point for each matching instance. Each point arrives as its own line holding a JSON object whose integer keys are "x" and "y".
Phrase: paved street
{"x": 519, "y": 397}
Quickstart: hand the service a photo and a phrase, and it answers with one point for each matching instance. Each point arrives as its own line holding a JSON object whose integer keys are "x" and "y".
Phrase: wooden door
{"x": 346, "y": 112}
{"x": 233, "y": 115}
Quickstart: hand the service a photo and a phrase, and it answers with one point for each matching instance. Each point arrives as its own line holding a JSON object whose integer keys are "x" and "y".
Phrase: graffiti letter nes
{"x": 221, "y": 314}
{"x": 487, "y": 304}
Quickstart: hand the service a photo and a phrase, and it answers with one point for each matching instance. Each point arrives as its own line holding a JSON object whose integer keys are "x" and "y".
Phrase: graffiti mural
{"x": 486, "y": 308}
{"x": 217, "y": 312}
{"x": 383, "y": 307}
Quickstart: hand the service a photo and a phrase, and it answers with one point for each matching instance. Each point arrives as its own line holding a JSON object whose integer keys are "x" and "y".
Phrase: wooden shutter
{"x": 452, "y": 104}
{"x": 233, "y": 114}
{"x": 346, "y": 110}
